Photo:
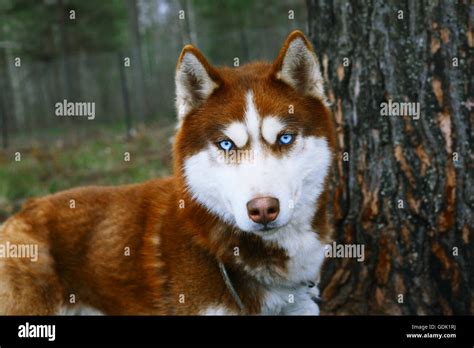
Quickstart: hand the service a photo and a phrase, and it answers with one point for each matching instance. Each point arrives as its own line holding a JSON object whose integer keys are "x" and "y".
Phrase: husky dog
{"x": 239, "y": 228}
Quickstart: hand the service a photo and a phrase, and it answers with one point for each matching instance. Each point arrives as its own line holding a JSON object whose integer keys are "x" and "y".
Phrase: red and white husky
{"x": 239, "y": 228}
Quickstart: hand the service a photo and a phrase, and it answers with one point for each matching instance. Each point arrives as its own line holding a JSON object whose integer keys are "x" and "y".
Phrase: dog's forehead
{"x": 254, "y": 124}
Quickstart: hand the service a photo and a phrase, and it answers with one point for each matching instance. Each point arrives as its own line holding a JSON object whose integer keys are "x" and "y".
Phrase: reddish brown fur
{"x": 173, "y": 251}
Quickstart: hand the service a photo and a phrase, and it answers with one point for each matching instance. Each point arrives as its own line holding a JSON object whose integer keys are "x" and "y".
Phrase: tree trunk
{"x": 138, "y": 73}
{"x": 403, "y": 187}
{"x": 5, "y": 89}
{"x": 3, "y": 99}
{"x": 125, "y": 97}
{"x": 63, "y": 14}
{"x": 188, "y": 33}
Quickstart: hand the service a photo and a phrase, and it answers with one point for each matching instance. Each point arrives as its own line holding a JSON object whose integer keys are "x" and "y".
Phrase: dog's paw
{"x": 303, "y": 307}
{"x": 306, "y": 301}
{"x": 310, "y": 308}
{"x": 312, "y": 290}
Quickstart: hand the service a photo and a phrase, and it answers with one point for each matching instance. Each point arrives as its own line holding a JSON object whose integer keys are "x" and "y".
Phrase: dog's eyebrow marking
{"x": 271, "y": 127}
{"x": 252, "y": 118}
{"x": 237, "y": 132}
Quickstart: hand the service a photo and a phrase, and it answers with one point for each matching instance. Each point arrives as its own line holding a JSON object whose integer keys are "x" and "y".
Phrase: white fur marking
{"x": 295, "y": 179}
{"x": 252, "y": 118}
{"x": 79, "y": 310}
{"x": 216, "y": 310}
{"x": 237, "y": 132}
{"x": 271, "y": 127}
{"x": 296, "y": 300}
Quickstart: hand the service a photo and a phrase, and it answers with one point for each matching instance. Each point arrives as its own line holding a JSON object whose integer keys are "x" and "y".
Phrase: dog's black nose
{"x": 263, "y": 210}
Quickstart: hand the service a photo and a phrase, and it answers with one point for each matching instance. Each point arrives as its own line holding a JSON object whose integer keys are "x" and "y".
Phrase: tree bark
{"x": 405, "y": 190}
{"x": 5, "y": 89}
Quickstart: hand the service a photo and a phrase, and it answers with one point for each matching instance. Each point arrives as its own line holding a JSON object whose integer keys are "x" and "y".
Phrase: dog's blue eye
{"x": 226, "y": 145}
{"x": 285, "y": 139}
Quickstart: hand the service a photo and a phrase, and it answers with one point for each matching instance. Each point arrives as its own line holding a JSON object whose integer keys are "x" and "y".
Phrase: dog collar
{"x": 230, "y": 287}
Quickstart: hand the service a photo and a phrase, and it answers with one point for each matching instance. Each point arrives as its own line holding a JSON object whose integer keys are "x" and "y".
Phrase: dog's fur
{"x": 153, "y": 248}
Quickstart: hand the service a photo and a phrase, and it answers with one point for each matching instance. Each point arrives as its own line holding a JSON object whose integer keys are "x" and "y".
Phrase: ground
{"x": 67, "y": 161}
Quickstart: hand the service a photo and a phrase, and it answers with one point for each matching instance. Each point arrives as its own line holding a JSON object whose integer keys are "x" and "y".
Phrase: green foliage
{"x": 46, "y": 169}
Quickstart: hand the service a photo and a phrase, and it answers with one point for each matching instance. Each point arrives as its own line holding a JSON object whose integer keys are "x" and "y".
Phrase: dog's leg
{"x": 28, "y": 282}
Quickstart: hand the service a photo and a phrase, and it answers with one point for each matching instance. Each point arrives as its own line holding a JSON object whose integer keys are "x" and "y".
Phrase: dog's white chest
{"x": 305, "y": 252}
{"x": 306, "y": 255}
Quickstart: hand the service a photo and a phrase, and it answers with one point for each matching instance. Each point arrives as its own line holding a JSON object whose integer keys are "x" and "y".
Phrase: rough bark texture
{"x": 406, "y": 190}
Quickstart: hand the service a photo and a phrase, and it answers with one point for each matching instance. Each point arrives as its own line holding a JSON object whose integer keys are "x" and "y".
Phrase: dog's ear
{"x": 298, "y": 66}
{"x": 195, "y": 80}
